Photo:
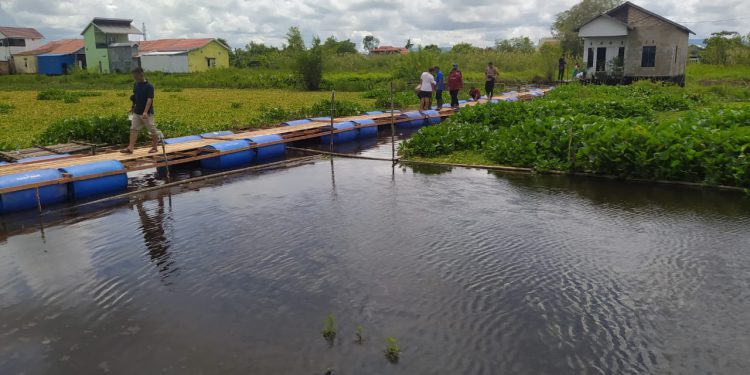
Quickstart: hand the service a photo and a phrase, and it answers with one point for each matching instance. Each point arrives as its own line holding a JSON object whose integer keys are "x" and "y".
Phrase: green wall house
{"x": 104, "y": 39}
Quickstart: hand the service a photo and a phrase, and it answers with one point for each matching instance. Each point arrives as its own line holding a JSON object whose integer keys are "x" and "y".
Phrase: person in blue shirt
{"x": 439, "y": 87}
{"x": 142, "y": 111}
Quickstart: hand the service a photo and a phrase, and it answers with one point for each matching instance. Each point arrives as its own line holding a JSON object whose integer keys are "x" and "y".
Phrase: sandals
{"x": 153, "y": 150}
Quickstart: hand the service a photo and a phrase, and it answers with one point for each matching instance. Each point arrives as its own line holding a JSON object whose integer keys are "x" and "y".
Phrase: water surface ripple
{"x": 473, "y": 272}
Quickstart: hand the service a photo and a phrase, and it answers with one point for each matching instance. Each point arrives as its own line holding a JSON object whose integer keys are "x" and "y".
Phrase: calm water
{"x": 473, "y": 273}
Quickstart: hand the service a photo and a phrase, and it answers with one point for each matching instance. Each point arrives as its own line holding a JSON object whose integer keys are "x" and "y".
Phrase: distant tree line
{"x": 727, "y": 48}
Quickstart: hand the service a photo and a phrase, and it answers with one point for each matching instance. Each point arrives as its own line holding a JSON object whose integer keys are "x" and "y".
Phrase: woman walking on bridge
{"x": 455, "y": 84}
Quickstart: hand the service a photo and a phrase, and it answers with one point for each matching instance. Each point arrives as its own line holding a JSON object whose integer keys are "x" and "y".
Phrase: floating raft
{"x": 36, "y": 179}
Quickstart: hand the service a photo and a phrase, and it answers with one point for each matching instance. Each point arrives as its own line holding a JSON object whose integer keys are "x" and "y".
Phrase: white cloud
{"x": 442, "y": 22}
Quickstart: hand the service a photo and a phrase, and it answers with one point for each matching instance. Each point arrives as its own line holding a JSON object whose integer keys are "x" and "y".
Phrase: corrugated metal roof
{"x": 172, "y": 45}
{"x": 113, "y": 26}
{"x": 20, "y": 32}
{"x": 64, "y": 46}
{"x": 629, "y": 4}
{"x": 112, "y": 29}
{"x": 123, "y": 44}
{"x": 164, "y": 53}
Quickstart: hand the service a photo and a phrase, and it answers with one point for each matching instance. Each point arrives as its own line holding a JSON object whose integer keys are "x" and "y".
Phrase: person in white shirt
{"x": 426, "y": 87}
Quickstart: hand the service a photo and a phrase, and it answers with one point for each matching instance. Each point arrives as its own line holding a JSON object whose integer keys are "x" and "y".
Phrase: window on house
{"x": 601, "y": 59}
{"x": 648, "y": 57}
{"x": 590, "y": 59}
{"x": 16, "y": 42}
{"x": 621, "y": 54}
{"x": 211, "y": 62}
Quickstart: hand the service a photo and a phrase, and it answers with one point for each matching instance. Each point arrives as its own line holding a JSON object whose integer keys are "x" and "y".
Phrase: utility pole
{"x": 143, "y": 26}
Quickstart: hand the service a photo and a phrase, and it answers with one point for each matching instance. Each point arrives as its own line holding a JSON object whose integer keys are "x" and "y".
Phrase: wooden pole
{"x": 38, "y": 201}
{"x": 164, "y": 153}
{"x": 571, "y": 162}
{"x": 333, "y": 115}
{"x": 393, "y": 127}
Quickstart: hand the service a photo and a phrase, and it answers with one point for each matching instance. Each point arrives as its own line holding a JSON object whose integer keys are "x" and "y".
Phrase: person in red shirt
{"x": 474, "y": 93}
{"x": 455, "y": 84}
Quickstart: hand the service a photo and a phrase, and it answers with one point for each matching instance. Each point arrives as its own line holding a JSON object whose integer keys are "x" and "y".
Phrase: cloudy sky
{"x": 443, "y": 22}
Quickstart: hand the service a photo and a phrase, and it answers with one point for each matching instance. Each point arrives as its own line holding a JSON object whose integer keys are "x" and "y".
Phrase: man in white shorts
{"x": 142, "y": 111}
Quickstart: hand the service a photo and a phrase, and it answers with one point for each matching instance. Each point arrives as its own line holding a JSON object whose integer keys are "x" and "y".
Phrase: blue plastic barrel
{"x": 26, "y": 199}
{"x": 374, "y": 113}
{"x": 344, "y": 136}
{"x": 231, "y": 160}
{"x": 296, "y": 122}
{"x": 434, "y": 117}
{"x": 83, "y": 189}
{"x": 320, "y": 119}
{"x": 369, "y": 129}
{"x": 187, "y": 138}
{"x": 271, "y": 151}
{"x": 221, "y": 133}
{"x": 418, "y": 119}
{"x": 40, "y": 158}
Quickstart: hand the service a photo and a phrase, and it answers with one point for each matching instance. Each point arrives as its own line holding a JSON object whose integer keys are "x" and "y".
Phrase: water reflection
{"x": 154, "y": 218}
{"x": 473, "y": 272}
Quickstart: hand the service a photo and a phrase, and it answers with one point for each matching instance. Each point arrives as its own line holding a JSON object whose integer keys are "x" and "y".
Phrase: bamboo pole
{"x": 38, "y": 201}
{"x": 333, "y": 115}
{"x": 393, "y": 127}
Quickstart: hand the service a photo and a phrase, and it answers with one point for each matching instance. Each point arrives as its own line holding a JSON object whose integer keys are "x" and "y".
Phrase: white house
{"x": 632, "y": 43}
{"x": 172, "y": 62}
{"x": 14, "y": 40}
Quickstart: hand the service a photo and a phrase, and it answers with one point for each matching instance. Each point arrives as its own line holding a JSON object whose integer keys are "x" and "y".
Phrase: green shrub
{"x": 6, "y": 108}
{"x": 64, "y": 95}
{"x": 605, "y": 130}
{"x": 51, "y": 94}
{"x": 310, "y": 66}
{"x": 444, "y": 139}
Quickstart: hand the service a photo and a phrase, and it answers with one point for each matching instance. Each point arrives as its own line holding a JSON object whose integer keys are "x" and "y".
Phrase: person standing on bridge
{"x": 455, "y": 84}
{"x": 426, "y": 87}
{"x": 440, "y": 87}
{"x": 142, "y": 112}
{"x": 490, "y": 75}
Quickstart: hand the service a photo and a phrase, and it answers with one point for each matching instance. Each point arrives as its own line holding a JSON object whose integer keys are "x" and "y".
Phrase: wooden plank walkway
{"x": 196, "y": 150}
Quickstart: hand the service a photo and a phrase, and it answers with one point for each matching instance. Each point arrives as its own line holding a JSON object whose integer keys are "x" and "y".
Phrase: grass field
{"x": 235, "y": 98}
{"x": 235, "y": 108}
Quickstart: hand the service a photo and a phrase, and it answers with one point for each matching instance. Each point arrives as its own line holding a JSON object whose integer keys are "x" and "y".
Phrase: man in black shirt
{"x": 142, "y": 111}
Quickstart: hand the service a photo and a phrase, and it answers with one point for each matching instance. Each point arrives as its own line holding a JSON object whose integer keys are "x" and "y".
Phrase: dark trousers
{"x": 439, "y": 98}
{"x": 454, "y": 98}
{"x": 561, "y": 74}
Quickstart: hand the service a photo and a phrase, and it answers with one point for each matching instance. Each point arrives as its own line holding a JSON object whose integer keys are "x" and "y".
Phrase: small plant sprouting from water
{"x": 358, "y": 332}
{"x": 329, "y": 329}
{"x": 392, "y": 350}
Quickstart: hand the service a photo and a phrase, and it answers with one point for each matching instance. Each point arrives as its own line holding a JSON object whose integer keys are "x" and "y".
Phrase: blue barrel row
{"x": 58, "y": 193}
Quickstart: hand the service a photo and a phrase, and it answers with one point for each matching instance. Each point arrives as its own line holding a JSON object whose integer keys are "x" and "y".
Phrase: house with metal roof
{"x": 107, "y": 45}
{"x": 68, "y": 54}
{"x": 183, "y": 55}
{"x": 628, "y": 43}
{"x": 389, "y": 50}
{"x": 14, "y": 40}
